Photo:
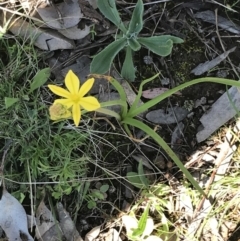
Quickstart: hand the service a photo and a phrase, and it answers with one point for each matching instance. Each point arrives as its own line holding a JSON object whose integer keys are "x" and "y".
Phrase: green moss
{"x": 186, "y": 57}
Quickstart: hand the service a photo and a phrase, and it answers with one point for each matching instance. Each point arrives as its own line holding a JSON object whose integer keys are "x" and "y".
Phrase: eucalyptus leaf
{"x": 13, "y": 218}
{"x": 40, "y": 79}
{"x": 134, "y": 44}
{"x": 102, "y": 61}
{"x": 10, "y": 101}
{"x": 160, "y": 45}
{"x": 136, "y": 23}
{"x": 109, "y": 10}
{"x": 128, "y": 70}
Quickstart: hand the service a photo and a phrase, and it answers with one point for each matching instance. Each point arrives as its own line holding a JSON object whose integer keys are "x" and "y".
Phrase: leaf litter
{"x": 13, "y": 218}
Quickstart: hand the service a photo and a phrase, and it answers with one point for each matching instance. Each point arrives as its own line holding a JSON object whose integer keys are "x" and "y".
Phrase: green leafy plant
{"x": 129, "y": 40}
{"x": 38, "y": 80}
{"x": 156, "y": 195}
{"x": 127, "y": 116}
{"x": 38, "y": 150}
{"x": 140, "y": 230}
{"x": 138, "y": 180}
{"x": 95, "y": 195}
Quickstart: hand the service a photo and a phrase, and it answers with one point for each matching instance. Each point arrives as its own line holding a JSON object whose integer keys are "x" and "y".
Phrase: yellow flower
{"x": 74, "y": 96}
{"x": 59, "y": 111}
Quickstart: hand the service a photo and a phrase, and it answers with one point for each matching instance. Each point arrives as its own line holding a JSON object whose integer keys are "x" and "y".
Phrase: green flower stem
{"x": 139, "y": 94}
{"x": 120, "y": 90}
{"x": 164, "y": 145}
{"x": 133, "y": 111}
{"x": 122, "y": 94}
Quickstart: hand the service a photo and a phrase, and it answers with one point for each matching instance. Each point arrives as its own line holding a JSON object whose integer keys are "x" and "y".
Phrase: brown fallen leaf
{"x": 204, "y": 67}
{"x": 170, "y": 116}
{"x": 75, "y": 32}
{"x": 44, "y": 39}
{"x": 67, "y": 225}
{"x": 61, "y": 16}
{"x": 47, "y": 227}
{"x": 13, "y": 218}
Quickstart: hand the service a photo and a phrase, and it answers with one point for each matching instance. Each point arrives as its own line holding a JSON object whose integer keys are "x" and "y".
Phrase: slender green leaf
{"x": 142, "y": 223}
{"x": 86, "y": 188}
{"x": 160, "y": 45}
{"x": 101, "y": 62}
{"x": 142, "y": 176}
{"x": 109, "y": 10}
{"x": 139, "y": 94}
{"x": 136, "y": 111}
{"x": 128, "y": 70}
{"x": 134, "y": 44}
{"x": 10, "y": 101}
{"x": 167, "y": 149}
{"x": 40, "y": 79}
{"x": 121, "y": 92}
{"x": 136, "y": 23}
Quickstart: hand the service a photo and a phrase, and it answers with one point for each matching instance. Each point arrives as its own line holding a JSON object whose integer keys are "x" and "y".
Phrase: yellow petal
{"x": 59, "y": 91}
{"x": 89, "y": 103}
{"x": 76, "y": 113}
{"x": 72, "y": 82}
{"x": 66, "y": 102}
{"x": 86, "y": 87}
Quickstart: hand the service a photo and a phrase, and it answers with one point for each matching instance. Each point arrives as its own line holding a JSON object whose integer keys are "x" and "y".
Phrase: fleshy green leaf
{"x": 109, "y": 10}
{"x": 40, "y": 79}
{"x": 134, "y": 44}
{"x": 97, "y": 194}
{"x": 104, "y": 188}
{"x": 101, "y": 62}
{"x": 10, "y": 101}
{"x": 135, "y": 180}
{"x": 136, "y": 23}
{"x": 160, "y": 45}
{"x": 128, "y": 70}
{"x": 91, "y": 204}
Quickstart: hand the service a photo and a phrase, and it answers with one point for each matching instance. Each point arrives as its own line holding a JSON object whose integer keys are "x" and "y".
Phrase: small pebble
{"x": 169, "y": 165}
{"x": 147, "y": 60}
{"x": 111, "y": 189}
{"x": 165, "y": 81}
